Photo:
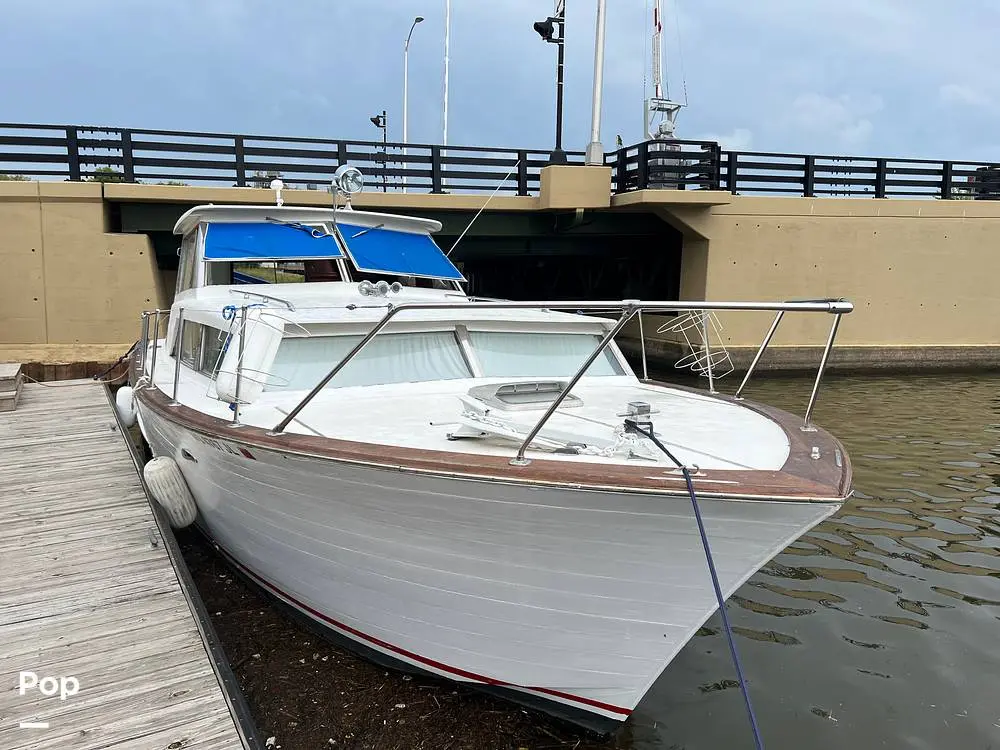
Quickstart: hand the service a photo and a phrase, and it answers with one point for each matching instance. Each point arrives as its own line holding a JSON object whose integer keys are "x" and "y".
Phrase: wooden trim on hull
{"x": 802, "y": 478}
{"x": 561, "y": 704}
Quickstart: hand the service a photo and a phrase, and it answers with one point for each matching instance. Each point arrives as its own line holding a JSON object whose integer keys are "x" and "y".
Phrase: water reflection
{"x": 878, "y": 628}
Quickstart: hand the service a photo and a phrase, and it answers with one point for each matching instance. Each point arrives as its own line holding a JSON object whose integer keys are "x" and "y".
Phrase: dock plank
{"x": 85, "y": 594}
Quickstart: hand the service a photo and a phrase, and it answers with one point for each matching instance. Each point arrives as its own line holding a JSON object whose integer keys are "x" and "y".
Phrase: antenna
{"x": 277, "y": 186}
{"x": 483, "y": 208}
{"x": 660, "y": 103}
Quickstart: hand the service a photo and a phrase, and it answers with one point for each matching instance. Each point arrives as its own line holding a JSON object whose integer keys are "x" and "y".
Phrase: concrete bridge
{"x": 82, "y": 259}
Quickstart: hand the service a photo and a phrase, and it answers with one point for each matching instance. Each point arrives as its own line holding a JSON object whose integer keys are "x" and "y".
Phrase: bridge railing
{"x": 851, "y": 176}
{"x": 675, "y": 164}
{"x": 77, "y": 152}
{"x": 167, "y": 156}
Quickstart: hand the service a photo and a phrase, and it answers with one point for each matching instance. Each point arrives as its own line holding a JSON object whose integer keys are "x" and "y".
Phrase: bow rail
{"x": 627, "y": 309}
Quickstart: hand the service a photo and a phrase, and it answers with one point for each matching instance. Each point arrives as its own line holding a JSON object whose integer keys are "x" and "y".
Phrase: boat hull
{"x": 568, "y": 599}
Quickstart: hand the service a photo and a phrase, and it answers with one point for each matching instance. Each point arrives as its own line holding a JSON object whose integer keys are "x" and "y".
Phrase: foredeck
{"x": 88, "y": 591}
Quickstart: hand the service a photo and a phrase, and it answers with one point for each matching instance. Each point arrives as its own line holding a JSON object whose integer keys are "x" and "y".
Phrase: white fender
{"x": 125, "y": 406}
{"x": 169, "y": 489}
{"x": 263, "y": 335}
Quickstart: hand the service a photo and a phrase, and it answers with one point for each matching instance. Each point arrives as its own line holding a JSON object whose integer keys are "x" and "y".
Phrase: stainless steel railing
{"x": 150, "y": 334}
{"x": 628, "y": 309}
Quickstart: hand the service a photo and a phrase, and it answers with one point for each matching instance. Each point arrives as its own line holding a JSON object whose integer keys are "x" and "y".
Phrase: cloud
{"x": 738, "y": 140}
{"x": 958, "y": 93}
{"x": 773, "y": 75}
{"x": 844, "y": 120}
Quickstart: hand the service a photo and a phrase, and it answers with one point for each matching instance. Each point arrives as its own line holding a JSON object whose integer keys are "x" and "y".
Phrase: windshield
{"x": 393, "y": 358}
{"x": 516, "y": 354}
{"x": 301, "y": 362}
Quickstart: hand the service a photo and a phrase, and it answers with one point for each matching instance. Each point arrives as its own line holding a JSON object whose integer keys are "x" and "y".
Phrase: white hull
{"x": 572, "y": 596}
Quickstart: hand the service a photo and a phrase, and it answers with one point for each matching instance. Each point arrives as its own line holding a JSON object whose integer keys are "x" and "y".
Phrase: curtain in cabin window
{"x": 507, "y": 354}
{"x": 389, "y": 358}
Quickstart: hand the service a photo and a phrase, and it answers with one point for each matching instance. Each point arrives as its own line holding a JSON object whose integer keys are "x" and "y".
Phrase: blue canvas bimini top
{"x": 225, "y": 241}
{"x": 380, "y": 250}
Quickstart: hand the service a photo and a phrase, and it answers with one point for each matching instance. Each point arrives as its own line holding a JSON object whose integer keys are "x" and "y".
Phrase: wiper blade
{"x": 316, "y": 232}
{"x": 366, "y": 231}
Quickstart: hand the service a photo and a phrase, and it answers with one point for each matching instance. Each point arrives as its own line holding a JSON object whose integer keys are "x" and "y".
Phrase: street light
{"x": 379, "y": 121}
{"x": 546, "y": 30}
{"x": 595, "y": 151}
{"x": 406, "y": 88}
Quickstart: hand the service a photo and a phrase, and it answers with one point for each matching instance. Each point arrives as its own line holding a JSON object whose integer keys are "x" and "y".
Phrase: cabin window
{"x": 268, "y": 272}
{"x": 191, "y": 344}
{"x": 215, "y": 347}
{"x": 391, "y": 358}
{"x": 202, "y": 347}
{"x": 516, "y": 354}
{"x": 187, "y": 266}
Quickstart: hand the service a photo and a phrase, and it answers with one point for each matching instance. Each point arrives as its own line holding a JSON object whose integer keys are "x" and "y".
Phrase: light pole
{"x": 406, "y": 89}
{"x": 546, "y": 30}
{"x": 595, "y": 151}
{"x": 379, "y": 121}
{"x": 447, "y": 40}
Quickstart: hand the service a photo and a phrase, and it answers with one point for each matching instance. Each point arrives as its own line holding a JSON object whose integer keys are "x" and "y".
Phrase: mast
{"x": 657, "y": 54}
{"x": 659, "y": 104}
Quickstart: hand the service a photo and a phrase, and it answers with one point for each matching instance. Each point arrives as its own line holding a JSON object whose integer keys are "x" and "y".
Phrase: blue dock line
{"x": 632, "y": 426}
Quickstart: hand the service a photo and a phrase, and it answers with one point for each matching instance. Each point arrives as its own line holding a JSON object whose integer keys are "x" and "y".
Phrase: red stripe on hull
{"x": 417, "y": 657}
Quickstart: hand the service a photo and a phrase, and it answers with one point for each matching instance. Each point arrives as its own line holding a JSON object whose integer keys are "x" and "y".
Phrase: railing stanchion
{"x": 809, "y": 177}
{"x": 642, "y": 345}
{"x": 806, "y": 426}
{"x": 760, "y": 352}
{"x": 947, "y": 170}
{"x": 177, "y": 355}
{"x": 708, "y": 350}
{"x": 156, "y": 345}
{"x": 239, "y": 365}
{"x": 339, "y": 366}
{"x": 73, "y": 154}
{"x": 629, "y": 310}
{"x": 241, "y": 164}
{"x": 437, "y": 170}
{"x": 128, "y": 157}
{"x": 143, "y": 343}
{"x": 881, "y": 168}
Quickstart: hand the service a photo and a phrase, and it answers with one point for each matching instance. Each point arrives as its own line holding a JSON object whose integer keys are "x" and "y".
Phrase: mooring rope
{"x": 631, "y": 425}
{"x": 121, "y": 359}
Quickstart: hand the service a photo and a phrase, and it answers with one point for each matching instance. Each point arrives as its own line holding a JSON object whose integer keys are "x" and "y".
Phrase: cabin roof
{"x": 304, "y": 214}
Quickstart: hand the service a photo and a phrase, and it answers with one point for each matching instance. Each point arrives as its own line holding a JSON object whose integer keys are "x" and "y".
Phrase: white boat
{"x": 433, "y": 478}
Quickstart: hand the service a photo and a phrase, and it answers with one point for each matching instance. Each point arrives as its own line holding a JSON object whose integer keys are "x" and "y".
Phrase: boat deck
{"x": 89, "y": 592}
{"x": 702, "y": 430}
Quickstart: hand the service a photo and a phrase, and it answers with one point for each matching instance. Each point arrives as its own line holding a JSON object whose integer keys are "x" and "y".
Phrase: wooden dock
{"x": 88, "y": 591}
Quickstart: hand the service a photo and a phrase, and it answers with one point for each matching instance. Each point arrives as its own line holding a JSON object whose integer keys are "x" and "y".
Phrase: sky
{"x": 896, "y": 78}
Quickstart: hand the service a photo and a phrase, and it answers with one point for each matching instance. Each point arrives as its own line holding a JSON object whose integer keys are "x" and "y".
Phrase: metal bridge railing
{"x": 107, "y": 154}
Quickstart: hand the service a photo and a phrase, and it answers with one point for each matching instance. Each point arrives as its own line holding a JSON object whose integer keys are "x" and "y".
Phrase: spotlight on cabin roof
{"x": 348, "y": 179}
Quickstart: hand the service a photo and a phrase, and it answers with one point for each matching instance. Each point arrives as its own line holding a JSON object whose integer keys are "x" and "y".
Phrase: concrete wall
{"x": 924, "y": 275}
{"x": 69, "y": 290}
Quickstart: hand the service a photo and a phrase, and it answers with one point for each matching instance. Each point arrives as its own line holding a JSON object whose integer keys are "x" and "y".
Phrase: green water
{"x": 881, "y": 627}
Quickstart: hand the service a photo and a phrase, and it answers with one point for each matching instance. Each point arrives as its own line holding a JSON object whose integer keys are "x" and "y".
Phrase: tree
{"x": 14, "y": 178}
{"x": 107, "y": 174}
